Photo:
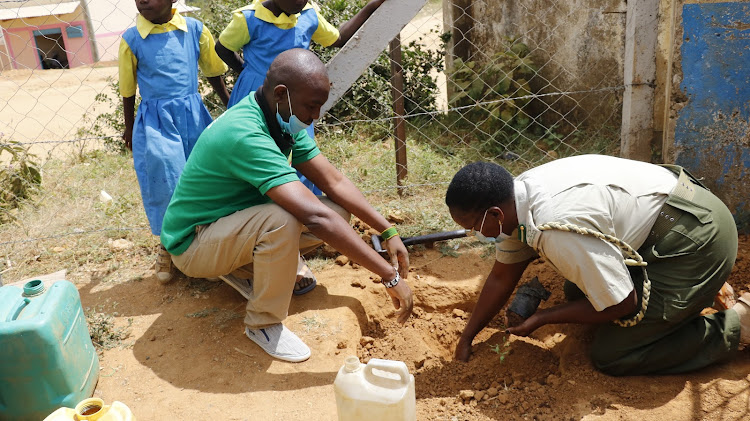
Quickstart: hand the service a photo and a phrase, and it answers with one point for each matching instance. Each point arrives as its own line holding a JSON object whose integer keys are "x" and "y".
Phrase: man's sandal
{"x": 305, "y": 277}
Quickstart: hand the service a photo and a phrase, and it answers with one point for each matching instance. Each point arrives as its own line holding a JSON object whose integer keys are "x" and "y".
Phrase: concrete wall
{"x": 711, "y": 103}
{"x": 579, "y": 45}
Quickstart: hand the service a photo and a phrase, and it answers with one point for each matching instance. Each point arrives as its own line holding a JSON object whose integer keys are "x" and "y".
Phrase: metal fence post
{"x": 399, "y": 126}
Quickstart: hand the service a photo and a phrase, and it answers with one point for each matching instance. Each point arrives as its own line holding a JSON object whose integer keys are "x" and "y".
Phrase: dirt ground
{"x": 50, "y": 105}
{"x": 187, "y": 358}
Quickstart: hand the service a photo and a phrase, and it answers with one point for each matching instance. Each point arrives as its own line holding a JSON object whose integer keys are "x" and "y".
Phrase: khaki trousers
{"x": 263, "y": 243}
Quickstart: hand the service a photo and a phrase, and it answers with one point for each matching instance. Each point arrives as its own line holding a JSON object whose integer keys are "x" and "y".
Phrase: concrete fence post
{"x": 637, "y": 134}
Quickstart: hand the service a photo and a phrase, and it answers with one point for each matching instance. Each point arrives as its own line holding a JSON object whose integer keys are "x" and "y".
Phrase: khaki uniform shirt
{"x": 611, "y": 195}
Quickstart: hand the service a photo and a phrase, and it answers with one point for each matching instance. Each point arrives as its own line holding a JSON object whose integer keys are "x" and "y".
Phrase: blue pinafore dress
{"x": 171, "y": 114}
{"x": 266, "y": 42}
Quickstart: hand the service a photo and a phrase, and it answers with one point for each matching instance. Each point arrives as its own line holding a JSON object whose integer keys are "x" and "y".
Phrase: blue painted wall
{"x": 712, "y": 136}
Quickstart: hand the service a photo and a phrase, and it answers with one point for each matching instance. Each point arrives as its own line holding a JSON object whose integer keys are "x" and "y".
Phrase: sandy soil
{"x": 187, "y": 358}
{"x": 50, "y": 105}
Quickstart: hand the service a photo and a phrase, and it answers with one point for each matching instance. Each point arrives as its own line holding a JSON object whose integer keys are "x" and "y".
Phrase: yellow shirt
{"x": 236, "y": 35}
{"x": 209, "y": 63}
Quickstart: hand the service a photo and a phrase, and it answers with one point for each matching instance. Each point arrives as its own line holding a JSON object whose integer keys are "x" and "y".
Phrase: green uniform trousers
{"x": 686, "y": 267}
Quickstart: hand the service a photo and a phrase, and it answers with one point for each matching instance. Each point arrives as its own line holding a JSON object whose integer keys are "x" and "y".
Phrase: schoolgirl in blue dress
{"x": 265, "y": 29}
{"x": 161, "y": 55}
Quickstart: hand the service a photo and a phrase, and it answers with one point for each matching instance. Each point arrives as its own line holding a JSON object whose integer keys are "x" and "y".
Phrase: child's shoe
{"x": 306, "y": 281}
{"x": 163, "y": 268}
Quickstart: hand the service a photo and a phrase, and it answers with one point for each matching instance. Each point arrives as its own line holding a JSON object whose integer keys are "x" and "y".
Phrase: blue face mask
{"x": 490, "y": 240}
{"x": 294, "y": 125}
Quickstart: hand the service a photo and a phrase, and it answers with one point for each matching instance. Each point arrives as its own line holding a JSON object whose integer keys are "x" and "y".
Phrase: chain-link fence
{"x": 519, "y": 83}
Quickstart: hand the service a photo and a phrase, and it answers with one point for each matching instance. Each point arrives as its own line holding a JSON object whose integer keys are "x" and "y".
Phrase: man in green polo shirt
{"x": 239, "y": 211}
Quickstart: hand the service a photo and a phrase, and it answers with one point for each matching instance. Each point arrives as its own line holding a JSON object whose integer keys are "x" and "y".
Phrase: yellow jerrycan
{"x": 379, "y": 390}
{"x": 93, "y": 409}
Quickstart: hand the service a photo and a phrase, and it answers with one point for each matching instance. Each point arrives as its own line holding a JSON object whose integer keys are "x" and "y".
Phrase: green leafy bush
{"x": 370, "y": 96}
{"x": 502, "y": 83}
{"x": 18, "y": 178}
{"x": 110, "y": 125}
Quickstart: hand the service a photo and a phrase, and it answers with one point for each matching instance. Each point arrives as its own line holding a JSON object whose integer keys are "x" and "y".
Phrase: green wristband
{"x": 388, "y": 233}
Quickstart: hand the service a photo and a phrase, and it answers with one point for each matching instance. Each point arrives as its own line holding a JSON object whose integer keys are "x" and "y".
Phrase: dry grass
{"x": 68, "y": 226}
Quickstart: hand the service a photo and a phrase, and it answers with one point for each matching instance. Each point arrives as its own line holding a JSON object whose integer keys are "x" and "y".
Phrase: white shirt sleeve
{"x": 596, "y": 266}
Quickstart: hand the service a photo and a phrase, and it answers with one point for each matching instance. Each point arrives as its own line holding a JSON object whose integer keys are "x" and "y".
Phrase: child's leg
{"x": 163, "y": 268}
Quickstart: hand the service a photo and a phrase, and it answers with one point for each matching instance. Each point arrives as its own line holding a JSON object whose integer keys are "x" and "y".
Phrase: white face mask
{"x": 490, "y": 240}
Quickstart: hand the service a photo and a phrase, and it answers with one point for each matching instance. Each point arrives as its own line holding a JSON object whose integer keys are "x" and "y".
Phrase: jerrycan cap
{"x": 351, "y": 364}
{"x": 33, "y": 288}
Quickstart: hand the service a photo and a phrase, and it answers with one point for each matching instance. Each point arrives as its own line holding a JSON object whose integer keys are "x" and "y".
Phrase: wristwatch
{"x": 392, "y": 283}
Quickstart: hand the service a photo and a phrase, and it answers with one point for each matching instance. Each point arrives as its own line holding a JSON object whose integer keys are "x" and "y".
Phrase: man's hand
{"x": 398, "y": 254}
{"x": 524, "y": 329}
{"x": 463, "y": 350}
{"x": 402, "y": 300}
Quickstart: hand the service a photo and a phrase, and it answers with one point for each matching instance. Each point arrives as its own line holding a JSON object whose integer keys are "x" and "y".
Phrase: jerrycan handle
{"x": 20, "y": 305}
{"x": 394, "y": 367}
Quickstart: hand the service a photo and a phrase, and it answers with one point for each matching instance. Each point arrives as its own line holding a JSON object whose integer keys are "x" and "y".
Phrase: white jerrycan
{"x": 378, "y": 390}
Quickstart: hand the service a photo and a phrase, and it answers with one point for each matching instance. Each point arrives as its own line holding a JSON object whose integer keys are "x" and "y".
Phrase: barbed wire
{"x": 384, "y": 119}
{"x": 71, "y": 233}
{"x": 47, "y": 142}
{"x": 479, "y": 104}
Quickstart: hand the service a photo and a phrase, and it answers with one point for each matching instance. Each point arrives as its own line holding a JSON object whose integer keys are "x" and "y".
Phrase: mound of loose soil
{"x": 187, "y": 359}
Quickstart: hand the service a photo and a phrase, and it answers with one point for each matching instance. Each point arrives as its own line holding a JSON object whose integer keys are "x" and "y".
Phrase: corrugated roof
{"x": 36, "y": 11}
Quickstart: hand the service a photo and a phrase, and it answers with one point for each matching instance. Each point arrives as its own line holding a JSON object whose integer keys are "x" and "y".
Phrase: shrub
{"x": 18, "y": 178}
{"x": 502, "y": 82}
{"x": 111, "y": 124}
{"x": 370, "y": 96}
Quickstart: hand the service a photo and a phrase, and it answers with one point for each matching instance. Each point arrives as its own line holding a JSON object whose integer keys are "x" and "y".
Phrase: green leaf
{"x": 520, "y": 49}
{"x": 503, "y": 85}
{"x": 476, "y": 91}
{"x": 506, "y": 115}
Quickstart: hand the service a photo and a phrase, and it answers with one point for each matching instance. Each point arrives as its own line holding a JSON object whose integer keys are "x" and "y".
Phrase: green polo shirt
{"x": 232, "y": 166}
